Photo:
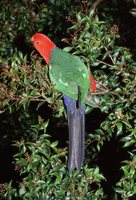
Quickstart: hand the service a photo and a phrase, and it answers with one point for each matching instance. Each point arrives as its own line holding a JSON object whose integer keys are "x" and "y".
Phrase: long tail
{"x": 76, "y": 124}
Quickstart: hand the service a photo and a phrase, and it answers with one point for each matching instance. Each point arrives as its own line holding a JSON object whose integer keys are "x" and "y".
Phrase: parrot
{"x": 71, "y": 77}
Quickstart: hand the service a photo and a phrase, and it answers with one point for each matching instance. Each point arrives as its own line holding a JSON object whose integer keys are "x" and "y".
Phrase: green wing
{"x": 68, "y": 72}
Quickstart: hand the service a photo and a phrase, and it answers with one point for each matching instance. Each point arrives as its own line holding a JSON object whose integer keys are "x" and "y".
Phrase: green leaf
{"x": 54, "y": 144}
{"x": 119, "y": 190}
{"x": 22, "y": 191}
{"x": 125, "y": 139}
{"x": 67, "y": 49}
{"x": 133, "y": 12}
{"x": 119, "y": 128}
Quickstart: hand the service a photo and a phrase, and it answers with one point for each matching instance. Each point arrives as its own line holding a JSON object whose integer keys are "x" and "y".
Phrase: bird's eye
{"x": 38, "y": 42}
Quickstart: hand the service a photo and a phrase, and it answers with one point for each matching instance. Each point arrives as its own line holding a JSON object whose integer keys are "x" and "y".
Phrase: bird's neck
{"x": 46, "y": 52}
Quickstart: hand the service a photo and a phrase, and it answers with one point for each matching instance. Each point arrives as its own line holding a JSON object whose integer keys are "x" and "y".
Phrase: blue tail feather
{"x": 76, "y": 124}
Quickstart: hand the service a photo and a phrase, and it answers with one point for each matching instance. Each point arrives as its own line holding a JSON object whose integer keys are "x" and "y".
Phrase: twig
{"x": 110, "y": 56}
{"x": 2, "y": 111}
{"x": 105, "y": 92}
{"x": 104, "y": 63}
{"x": 18, "y": 99}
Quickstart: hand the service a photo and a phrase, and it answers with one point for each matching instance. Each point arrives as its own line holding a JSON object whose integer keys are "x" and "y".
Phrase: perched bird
{"x": 71, "y": 77}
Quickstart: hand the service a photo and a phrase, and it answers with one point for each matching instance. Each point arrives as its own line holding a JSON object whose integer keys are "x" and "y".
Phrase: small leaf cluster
{"x": 127, "y": 186}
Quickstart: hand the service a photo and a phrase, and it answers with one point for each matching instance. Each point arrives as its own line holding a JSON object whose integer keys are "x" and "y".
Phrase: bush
{"x": 41, "y": 162}
{"x": 45, "y": 176}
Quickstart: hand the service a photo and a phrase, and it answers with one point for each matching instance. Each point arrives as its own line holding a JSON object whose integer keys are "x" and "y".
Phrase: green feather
{"x": 68, "y": 72}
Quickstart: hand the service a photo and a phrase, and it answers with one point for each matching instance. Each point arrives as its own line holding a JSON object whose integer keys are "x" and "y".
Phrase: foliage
{"x": 45, "y": 176}
{"x": 113, "y": 67}
{"x": 20, "y": 19}
{"x": 20, "y": 85}
{"x": 126, "y": 186}
{"x": 24, "y": 79}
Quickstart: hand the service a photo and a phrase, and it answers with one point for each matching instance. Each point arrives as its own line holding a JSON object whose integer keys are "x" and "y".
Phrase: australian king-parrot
{"x": 72, "y": 78}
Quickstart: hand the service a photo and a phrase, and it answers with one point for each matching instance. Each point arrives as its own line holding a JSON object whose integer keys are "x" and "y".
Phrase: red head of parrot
{"x": 43, "y": 45}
